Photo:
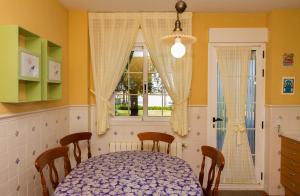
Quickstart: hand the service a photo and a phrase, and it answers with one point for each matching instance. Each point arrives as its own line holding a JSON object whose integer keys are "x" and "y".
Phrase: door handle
{"x": 216, "y": 119}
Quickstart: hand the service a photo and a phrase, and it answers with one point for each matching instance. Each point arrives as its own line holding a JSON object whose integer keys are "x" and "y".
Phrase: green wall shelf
{"x": 20, "y": 65}
{"x": 51, "y": 71}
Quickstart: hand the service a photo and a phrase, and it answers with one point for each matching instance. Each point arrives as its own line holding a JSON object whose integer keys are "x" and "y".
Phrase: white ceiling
{"x": 168, "y": 5}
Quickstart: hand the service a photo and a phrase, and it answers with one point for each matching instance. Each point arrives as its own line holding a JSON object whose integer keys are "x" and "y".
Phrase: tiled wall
{"x": 288, "y": 117}
{"x": 127, "y": 131}
{"x": 22, "y": 139}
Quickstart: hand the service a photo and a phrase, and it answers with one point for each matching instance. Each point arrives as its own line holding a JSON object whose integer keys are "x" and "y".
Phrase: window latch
{"x": 145, "y": 88}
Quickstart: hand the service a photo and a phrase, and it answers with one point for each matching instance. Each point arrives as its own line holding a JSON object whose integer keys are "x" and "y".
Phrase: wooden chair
{"x": 217, "y": 159}
{"x": 75, "y": 138}
{"x": 47, "y": 158}
{"x": 156, "y": 137}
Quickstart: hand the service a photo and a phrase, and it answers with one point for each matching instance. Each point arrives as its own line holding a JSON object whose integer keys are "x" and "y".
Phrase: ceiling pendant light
{"x": 178, "y": 49}
{"x": 177, "y": 38}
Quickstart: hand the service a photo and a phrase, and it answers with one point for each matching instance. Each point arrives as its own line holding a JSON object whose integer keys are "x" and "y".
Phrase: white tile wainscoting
{"x": 24, "y": 136}
{"x": 288, "y": 117}
{"x": 127, "y": 130}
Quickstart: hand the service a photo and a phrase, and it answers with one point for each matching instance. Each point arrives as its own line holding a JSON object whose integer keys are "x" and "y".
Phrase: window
{"x": 140, "y": 91}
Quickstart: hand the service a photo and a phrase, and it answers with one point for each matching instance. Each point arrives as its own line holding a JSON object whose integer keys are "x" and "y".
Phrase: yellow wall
{"x": 49, "y": 19}
{"x": 80, "y": 78}
{"x": 78, "y": 58}
{"x": 69, "y": 29}
{"x": 79, "y": 62}
{"x": 284, "y": 37}
{"x": 201, "y": 23}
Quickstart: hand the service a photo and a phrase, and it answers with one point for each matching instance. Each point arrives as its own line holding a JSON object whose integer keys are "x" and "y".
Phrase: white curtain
{"x": 233, "y": 63}
{"x": 175, "y": 74}
{"x": 112, "y": 36}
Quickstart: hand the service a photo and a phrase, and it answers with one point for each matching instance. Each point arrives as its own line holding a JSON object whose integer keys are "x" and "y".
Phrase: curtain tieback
{"x": 106, "y": 103}
{"x": 238, "y": 127}
{"x": 179, "y": 103}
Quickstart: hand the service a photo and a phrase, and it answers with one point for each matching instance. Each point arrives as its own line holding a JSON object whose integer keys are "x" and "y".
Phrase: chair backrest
{"x": 217, "y": 160}
{"x": 75, "y": 138}
{"x": 47, "y": 158}
{"x": 156, "y": 137}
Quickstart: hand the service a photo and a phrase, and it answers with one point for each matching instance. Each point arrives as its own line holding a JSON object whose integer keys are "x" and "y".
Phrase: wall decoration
{"x": 288, "y": 59}
{"x": 288, "y": 85}
{"x": 54, "y": 70}
{"x": 29, "y": 65}
{"x": 51, "y": 74}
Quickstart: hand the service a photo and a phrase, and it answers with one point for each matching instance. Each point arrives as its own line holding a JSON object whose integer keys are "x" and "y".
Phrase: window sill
{"x": 140, "y": 121}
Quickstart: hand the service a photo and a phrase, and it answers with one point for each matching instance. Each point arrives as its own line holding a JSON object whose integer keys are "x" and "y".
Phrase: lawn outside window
{"x": 140, "y": 93}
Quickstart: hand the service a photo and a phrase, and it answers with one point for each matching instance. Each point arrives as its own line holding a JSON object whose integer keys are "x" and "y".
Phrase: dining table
{"x": 131, "y": 173}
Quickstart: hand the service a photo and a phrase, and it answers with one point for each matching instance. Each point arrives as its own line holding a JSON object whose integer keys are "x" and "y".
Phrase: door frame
{"x": 260, "y": 108}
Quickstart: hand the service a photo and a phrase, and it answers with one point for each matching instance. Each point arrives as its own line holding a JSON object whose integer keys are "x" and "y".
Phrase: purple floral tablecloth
{"x": 131, "y": 173}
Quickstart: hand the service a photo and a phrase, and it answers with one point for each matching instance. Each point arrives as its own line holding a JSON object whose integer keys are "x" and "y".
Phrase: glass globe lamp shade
{"x": 178, "y": 49}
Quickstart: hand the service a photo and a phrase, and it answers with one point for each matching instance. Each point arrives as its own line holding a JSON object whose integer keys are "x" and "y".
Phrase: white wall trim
{"x": 238, "y": 35}
{"x": 12, "y": 115}
{"x": 131, "y": 122}
{"x": 121, "y": 121}
{"x": 81, "y": 105}
{"x": 91, "y": 105}
{"x": 281, "y": 106}
{"x": 197, "y": 105}
{"x": 243, "y": 187}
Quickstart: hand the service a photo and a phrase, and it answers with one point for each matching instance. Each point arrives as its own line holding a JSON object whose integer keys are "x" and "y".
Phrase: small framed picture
{"x": 29, "y": 65}
{"x": 288, "y": 59}
{"x": 54, "y": 70}
{"x": 288, "y": 85}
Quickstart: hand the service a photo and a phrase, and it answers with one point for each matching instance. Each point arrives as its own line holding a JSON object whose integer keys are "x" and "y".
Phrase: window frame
{"x": 142, "y": 47}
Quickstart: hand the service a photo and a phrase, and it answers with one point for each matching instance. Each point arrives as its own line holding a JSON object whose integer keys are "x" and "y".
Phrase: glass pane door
{"x": 250, "y": 107}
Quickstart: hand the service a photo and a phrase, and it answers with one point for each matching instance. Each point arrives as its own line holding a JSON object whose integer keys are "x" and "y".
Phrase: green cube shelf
{"x": 51, "y": 71}
{"x": 16, "y": 44}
